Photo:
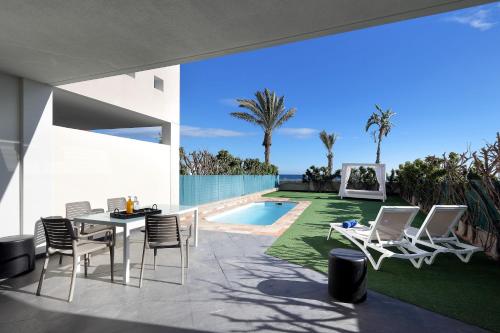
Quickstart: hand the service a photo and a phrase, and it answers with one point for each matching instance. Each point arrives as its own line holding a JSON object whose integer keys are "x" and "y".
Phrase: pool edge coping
{"x": 275, "y": 229}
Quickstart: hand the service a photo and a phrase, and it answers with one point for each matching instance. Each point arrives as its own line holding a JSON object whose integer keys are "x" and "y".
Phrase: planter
{"x": 487, "y": 241}
{"x": 481, "y": 238}
{"x": 471, "y": 234}
{"x": 462, "y": 229}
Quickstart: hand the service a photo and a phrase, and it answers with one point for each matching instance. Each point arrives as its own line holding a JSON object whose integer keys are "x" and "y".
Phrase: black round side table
{"x": 17, "y": 255}
{"x": 347, "y": 270}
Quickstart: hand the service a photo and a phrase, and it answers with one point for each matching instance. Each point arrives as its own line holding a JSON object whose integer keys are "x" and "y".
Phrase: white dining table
{"x": 128, "y": 224}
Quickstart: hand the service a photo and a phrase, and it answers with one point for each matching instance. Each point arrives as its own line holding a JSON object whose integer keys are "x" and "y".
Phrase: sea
{"x": 296, "y": 178}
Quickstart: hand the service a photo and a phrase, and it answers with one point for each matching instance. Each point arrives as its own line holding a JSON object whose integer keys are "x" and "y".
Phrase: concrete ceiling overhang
{"x": 64, "y": 41}
{"x": 84, "y": 113}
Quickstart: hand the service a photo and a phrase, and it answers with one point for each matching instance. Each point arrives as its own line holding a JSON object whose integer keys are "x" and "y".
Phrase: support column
{"x": 36, "y": 152}
{"x": 171, "y": 137}
{"x": 174, "y": 163}
{"x": 10, "y": 196}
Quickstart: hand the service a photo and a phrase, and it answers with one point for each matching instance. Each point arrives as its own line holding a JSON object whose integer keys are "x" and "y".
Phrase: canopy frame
{"x": 379, "y": 194}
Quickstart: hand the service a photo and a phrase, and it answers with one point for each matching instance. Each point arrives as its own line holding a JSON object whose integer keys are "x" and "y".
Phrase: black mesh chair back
{"x": 61, "y": 238}
{"x": 59, "y": 233}
{"x": 162, "y": 231}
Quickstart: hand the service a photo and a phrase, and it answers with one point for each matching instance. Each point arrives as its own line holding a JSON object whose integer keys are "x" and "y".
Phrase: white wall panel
{"x": 93, "y": 167}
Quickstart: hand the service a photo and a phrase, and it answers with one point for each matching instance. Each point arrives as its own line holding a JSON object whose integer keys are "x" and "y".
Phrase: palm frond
{"x": 247, "y": 117}
{"x": 386, "y": 124}
{"x": 335, "y": 137}
{"x": 328, "y": 139}
{"x": 373, "y": 120}
{"x": 266, "y": 110}
{"x": 288, "y": 114}
{"x": 252, "y": 106}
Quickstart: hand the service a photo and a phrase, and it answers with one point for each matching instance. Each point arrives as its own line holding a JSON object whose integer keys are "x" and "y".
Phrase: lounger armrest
{"x": 96, "y": 211}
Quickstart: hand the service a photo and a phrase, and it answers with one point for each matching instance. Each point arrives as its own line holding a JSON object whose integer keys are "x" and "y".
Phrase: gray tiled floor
{"x": 232, "y": 287}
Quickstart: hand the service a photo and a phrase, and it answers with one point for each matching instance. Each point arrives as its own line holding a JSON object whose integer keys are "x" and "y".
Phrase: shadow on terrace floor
{"x": 283, "y": 298}
{"x": 54, "y": 321}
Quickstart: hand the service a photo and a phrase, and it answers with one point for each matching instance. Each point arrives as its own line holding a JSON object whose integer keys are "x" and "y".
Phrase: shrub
{"x": 363, "y": 178}
{"x": 202, "y": 162}
{"x": 469, "y": 178}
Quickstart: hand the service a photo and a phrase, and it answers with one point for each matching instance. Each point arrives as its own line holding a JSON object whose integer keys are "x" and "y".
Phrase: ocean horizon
{"x": 293, "y": 177}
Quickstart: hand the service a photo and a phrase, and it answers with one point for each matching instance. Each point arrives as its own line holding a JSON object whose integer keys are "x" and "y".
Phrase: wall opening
{"x": 158, "y": 83}
{"x": 148, "y": 134}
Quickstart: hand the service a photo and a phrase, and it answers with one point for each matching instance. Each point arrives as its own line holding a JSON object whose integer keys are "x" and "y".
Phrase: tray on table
{"x": 122, "y": 214}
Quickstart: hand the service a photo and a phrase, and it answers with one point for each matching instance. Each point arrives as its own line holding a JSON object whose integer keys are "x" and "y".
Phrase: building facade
{"x": 51, "y": 153}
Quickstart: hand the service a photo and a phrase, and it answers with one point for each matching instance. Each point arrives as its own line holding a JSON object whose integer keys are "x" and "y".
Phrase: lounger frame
{"x": 448, "y": 242}
{"x": 372, "y": 239}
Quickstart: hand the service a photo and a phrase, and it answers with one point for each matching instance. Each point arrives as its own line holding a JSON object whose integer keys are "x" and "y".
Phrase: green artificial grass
{"x": 467, "y": 292}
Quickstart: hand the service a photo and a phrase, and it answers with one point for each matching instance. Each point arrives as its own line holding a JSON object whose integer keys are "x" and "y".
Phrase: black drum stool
{"x": 17, "y": 255}
{"x": 347, "y": 275}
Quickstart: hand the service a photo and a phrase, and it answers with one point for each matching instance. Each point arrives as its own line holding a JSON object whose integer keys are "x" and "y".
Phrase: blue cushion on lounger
{"x": 349, "y": 224}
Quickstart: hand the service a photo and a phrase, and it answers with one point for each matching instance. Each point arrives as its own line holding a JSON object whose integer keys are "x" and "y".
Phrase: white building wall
{"x": 43, "y": 166}
{"x": 94, "y": 167}
{"x": 9, "y": 155}
{"x": 137, "y": 93}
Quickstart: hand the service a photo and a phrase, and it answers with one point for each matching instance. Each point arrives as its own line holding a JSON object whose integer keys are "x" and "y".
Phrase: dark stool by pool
{"x": 347, "y": 275}
{"x": 17, "y": 255}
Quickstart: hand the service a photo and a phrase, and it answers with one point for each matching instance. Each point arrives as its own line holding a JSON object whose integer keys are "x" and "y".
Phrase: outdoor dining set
{"x": 85, "y": 231}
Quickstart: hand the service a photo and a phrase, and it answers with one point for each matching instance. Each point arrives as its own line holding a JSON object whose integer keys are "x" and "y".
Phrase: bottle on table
{"x": 136, "y": 203}
{"x": 130, "y": 205}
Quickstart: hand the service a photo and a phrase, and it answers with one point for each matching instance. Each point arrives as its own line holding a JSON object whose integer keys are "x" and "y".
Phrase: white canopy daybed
{"x": 363, "y": 194}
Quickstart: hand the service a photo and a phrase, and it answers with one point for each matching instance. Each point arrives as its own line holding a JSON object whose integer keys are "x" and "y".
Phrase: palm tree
{"x": 383, "y": 121}
{"x": 267, "y": 111}
{"x": 329, "y": 140}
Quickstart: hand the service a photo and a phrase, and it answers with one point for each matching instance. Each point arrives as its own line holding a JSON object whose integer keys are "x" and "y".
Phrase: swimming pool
{"x": 256, "y": 213}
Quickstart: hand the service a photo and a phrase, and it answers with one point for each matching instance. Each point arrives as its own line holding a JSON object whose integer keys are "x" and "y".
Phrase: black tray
{"x": 137, "y": 213}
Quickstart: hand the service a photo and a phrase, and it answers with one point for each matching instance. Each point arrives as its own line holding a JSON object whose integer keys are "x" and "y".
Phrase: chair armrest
{"x": 92, "y": 234}
{"x": 76, "y": 232}
{"x": 96, "y": 210}
{"x": 187, "y": 231}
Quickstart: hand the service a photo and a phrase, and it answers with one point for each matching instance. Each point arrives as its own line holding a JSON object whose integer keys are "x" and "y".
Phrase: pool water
{"x": 256, "y": 213}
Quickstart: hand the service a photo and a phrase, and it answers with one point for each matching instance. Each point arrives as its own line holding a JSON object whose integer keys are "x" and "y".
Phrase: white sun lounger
{"x": 387, "y": 231}
{"x": 438, "y": 232}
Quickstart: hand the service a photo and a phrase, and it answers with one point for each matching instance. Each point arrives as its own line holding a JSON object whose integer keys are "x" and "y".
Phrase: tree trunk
{"x": 267, "y": 154}
{"x": 378, "y": 148}
{"x": 330, "y": 163}
{"x": 267, "y": 146}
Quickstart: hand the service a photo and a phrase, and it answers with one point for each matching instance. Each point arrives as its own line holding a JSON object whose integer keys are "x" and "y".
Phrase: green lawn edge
{"x": 466, "y": 292}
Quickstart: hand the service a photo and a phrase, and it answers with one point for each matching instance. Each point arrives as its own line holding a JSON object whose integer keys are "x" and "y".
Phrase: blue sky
{"x": 440, "y": 74}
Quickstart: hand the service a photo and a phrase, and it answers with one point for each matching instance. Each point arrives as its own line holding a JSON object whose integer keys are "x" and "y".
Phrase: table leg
{"x": 196, "y": 227}
{"x": 126, "y": 255}
{"x": 78, "y": 264}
